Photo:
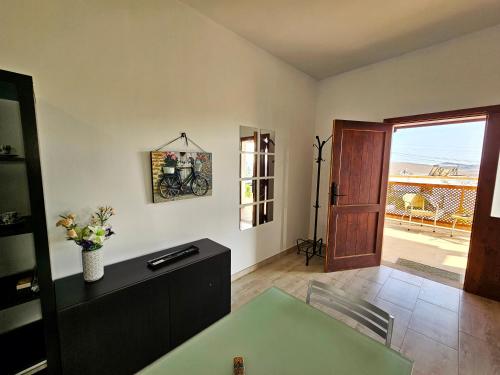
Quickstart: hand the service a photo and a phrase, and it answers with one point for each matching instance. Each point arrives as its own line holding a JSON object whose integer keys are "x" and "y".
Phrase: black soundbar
{"x": 172, "y": 257}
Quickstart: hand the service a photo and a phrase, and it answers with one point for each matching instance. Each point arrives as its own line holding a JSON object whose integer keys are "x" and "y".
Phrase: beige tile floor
{"x": 443, "y": 329}
{"x": 422, "y": 245}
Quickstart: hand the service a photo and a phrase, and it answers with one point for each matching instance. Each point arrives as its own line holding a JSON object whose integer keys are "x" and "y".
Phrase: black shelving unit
{"x": 28, "y": 332}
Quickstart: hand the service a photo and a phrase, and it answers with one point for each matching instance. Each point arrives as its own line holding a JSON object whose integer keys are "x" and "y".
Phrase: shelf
{"x": 19, "y": 316}
{"x": 39, "y": 368}
{"x": 23, "y": 349}
{"x": 19, "y": 299}
{"x": 10, "y": 295}
{"x": 22, "y": 227}
{"x": 10, "y": 159}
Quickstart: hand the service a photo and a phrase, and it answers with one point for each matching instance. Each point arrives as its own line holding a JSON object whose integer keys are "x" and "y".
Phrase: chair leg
{"x": 390, "y": 327}
{"x": 435, "y": 220}
{"x": 453, "y": 227}
{"x": 308, "y": 295}
{"x": 409, "y": 221}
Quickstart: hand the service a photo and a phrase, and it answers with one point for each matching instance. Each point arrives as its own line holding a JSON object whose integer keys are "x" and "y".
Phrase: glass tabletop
{"x": 277, "y": 333}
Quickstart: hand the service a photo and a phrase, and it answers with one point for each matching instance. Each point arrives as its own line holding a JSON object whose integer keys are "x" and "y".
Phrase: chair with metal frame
{"x": 369, "y": 315}
{"x": 462, "y": 216}
{"x": 415, "y": 206}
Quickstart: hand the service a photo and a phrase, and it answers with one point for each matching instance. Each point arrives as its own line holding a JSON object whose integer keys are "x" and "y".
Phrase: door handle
{"x": 334, "y": 194}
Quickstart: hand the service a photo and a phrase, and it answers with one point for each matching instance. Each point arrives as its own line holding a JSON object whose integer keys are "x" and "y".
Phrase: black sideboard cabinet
{"x": 134, "y": 315}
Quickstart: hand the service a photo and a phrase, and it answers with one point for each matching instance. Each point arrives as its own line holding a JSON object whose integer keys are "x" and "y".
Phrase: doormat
{"x": 429, "y": 269}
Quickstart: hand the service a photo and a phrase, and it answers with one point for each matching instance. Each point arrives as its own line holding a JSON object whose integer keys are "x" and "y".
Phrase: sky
{"x": 454, "y": 143}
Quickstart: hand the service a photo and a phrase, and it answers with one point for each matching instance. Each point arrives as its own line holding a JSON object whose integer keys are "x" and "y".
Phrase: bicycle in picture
{"x": 171, "y": 184}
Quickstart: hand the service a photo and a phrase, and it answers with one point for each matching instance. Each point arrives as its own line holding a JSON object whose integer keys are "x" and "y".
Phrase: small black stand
{"x": 314, "y": 247}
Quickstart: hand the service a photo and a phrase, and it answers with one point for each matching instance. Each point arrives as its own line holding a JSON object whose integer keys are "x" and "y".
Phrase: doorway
{"x": 431, "y": 196}
{"x": 358, "y": 190}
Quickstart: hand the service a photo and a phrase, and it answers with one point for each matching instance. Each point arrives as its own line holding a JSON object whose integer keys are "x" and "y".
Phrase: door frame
{"x": 474, "y": 281}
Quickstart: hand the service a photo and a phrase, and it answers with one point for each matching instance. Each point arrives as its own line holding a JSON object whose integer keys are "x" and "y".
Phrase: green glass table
{"x": 278, "y": 334}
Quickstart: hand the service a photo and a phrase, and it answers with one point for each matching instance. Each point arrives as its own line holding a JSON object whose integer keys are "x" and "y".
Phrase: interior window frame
{"x": 258, "y": 154}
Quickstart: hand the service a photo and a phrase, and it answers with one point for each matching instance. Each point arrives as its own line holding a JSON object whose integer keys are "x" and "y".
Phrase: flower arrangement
{"x": 170, "y": 155}
{"x": 170, "y": 161}
{"x": 91, "y": 236}
{"x": 203, "y": 157}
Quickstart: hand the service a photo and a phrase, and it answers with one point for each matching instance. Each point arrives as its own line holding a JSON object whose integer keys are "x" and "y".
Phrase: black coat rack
{"x": 314, "y": 247}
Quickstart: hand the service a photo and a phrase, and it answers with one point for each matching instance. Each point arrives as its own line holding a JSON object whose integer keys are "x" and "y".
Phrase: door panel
{"x": 360, "y": 166}
{"x": 358, "y": 230}
{"x": 358, "y": 181}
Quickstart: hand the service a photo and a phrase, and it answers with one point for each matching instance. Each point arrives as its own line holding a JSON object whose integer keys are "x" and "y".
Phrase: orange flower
{"x": 64, "y": 222}
{"x": 72, "y": 233}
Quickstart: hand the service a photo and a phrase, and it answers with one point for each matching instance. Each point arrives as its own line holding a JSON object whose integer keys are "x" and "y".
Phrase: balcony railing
{"x": 449, "y": 197}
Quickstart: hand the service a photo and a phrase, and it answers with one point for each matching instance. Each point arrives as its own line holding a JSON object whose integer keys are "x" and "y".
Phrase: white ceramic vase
{"x": 93, "y": 265}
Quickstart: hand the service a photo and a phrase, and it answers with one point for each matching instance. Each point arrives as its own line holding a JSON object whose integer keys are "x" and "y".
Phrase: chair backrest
{"x": 414, "y": 200}
{"x": 464, "y": 211}
{"x": 371, "y": 316}
{"x": 407, "y": 199}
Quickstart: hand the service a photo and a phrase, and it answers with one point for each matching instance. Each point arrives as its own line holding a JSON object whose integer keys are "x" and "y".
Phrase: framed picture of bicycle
{"x": 180, "y": 175}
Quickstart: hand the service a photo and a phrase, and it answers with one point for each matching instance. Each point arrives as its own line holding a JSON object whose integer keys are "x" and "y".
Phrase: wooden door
{"x": 358, "y": 190}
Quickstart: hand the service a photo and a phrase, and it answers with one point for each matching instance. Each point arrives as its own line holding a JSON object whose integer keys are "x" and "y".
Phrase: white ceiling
{"x": 327, "y": 37}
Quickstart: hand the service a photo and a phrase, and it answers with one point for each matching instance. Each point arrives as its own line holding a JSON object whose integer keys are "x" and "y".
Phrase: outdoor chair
{"x": 462, "y": 216}
{"x": 415, "y": 206}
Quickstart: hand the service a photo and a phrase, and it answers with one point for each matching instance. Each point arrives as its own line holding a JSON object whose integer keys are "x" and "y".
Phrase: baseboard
{"x": 262, "y": 263}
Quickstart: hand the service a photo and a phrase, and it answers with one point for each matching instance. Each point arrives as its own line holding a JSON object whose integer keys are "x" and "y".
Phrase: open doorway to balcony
{"x": 431, "y": 197}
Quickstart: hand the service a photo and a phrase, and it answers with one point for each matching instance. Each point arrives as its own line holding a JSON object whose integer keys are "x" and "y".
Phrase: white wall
{"x": 461, "y": 73}
{"x": 114, "y": 79}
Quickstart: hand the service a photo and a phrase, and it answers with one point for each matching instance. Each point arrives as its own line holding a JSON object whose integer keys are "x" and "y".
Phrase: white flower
{"x": 97, "y": 234}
